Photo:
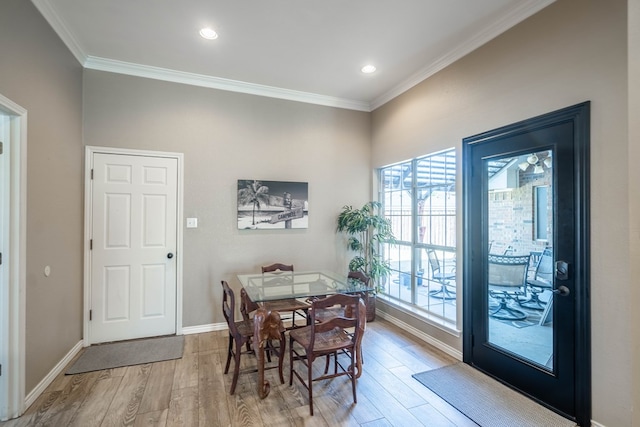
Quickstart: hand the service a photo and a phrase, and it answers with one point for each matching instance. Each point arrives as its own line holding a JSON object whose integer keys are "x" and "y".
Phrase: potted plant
{"x": 367, "y": 229}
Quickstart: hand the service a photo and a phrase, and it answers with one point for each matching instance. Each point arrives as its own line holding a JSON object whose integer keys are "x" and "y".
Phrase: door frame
{"x": 13, "y": 298}
{"x": 579, "y": 115}
{"x": 88, "y": 220}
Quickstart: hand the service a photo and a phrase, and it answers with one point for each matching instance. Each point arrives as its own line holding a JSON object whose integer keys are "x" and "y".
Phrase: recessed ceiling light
{"x": 368, "y": 69}
{"x": 208, "y": 34}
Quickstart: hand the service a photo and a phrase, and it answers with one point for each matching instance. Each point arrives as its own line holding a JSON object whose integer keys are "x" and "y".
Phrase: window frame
{"x": 412, "y": 301}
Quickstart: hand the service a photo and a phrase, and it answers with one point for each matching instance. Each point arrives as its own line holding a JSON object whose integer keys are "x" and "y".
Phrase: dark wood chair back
{"x": 359, "y": 275}
{"x": 276, "y": 267}
{"x": 247, "y": 306}
{"x": 349, "y": 317}
{"x": 228, "y": 308}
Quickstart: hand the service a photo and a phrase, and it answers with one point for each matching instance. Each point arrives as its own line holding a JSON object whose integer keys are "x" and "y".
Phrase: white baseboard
{"x": 46, "y": 381}
{"x": 596, "y": 424}
{"x": 211, "y": 327}
{"x": 421, "y": 335}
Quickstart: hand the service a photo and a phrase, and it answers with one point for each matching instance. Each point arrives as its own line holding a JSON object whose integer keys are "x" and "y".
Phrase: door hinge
{"x": 1, "y": 147}
{"x": 90, "y": 315}
{"x": 90, "y": 244}
{"x": 91, "y": 173}
{"x": 0, "y": 258}
{"x": 0, "y": 370}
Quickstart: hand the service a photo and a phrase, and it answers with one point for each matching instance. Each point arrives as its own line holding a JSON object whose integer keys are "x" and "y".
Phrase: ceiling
{"x": 290, "y": 49}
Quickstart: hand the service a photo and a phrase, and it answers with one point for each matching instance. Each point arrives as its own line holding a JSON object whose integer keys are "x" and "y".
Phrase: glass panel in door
{"x": 519, "y": 227}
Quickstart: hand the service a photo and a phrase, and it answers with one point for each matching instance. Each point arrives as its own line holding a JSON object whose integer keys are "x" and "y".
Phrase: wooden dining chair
{"x": 241, "y": 333}
{"x": 339, "y": 311}
{"x": 329, "y": 338}
{"x": 287, "y": 305}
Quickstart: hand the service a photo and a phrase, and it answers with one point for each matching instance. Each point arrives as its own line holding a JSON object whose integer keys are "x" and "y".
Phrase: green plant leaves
{"x": 366, "y": 229}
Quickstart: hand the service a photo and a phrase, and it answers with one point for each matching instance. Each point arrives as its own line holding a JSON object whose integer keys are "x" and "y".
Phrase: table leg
{"x": 267, "y": 326}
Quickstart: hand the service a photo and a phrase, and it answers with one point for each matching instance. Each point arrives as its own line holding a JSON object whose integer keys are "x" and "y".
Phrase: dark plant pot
{"x": 370, "y": 302}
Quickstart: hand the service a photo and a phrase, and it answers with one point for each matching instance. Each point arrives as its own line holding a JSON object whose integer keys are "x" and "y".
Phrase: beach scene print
{"x": 272, "y": 204}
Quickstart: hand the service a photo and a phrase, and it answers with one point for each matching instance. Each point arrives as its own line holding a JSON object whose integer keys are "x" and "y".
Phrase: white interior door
{"x": 133, "y": 231}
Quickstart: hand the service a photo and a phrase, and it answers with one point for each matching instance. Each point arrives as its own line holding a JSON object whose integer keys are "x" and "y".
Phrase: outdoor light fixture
{"x": 534, "y": 160}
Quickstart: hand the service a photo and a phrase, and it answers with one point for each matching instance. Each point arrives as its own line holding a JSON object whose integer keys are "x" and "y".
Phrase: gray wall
{"x": 570, "y": 52}
{"x": 225, "y": 137}
{"x": 39, "y": 73}
{"x": 573, "y": 51}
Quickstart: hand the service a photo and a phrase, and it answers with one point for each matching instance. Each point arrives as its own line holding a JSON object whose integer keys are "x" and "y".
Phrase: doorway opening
{"x": 13, "y": 168}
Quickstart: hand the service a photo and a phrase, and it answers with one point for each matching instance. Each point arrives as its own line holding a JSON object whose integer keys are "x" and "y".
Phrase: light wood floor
{"x": 193, "y": 391}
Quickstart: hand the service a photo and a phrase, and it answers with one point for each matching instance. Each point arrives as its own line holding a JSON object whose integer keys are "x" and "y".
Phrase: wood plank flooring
{"x": 193, "y": 391}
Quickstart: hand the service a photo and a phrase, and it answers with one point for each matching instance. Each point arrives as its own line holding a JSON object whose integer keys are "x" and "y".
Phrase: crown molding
{"x": 157, "y": 73}
{"x": 517, "y": 14}
{"x": 58, "y": 25}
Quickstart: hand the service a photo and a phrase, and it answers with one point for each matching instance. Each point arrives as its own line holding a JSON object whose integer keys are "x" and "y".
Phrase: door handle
{"x": 563, "y": 291}
{"x": 169, "y": 255}
{"x": 562, "y": 270}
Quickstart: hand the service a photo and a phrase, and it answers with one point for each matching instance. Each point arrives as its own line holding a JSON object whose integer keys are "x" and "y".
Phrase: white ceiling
{"x": 292, "y": 49}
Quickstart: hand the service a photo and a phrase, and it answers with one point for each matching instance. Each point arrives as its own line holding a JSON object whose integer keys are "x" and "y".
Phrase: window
{"x": 418, "y": 197}
{"x": 541, "y": 200}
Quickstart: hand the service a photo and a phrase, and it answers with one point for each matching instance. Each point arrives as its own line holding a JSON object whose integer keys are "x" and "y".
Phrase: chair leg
{"x": 326, "y": 364}
{"x": 310, "y": 381}
{"x": 268, "y": 350}
{"x": 236, "y": 369}
{"x": 229, "y": 351}
{"x": 512, "y": 313}
{"x": 281, "y": 353}
{"x": 290, "y": 361}
{"x": 353, "y": 376}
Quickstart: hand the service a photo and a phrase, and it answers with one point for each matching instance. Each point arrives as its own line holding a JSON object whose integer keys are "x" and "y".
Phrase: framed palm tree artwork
{"x": 272, "y": 204}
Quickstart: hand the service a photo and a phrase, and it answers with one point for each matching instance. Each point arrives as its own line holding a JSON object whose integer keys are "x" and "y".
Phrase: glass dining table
{"x": 305, "y": 284}
{"x": 284, "y": 285}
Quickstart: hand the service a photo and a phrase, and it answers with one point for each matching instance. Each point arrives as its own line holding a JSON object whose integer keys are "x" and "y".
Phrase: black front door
{"x": 526, "y": 258}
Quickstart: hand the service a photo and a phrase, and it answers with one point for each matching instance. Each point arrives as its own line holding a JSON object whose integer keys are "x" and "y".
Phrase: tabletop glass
{"x": 286, "y": 284}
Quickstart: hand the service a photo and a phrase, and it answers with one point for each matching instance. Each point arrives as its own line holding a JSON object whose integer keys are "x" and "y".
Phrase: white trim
{"x": 158, "y": 73}
{"x": 518, "y": 13}
{"x": 14, "y": 307}
{"x": 521, "y": 11}
{"x": 88, "y": 220}
{"x": 211, "y": 327}
{"x": 457, "y": 354}
{"x": 46, "y": 381}
{"x": 60, "y": 27}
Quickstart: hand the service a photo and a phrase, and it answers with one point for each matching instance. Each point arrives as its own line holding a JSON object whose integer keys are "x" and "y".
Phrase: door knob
{"x": 169, "y": 255}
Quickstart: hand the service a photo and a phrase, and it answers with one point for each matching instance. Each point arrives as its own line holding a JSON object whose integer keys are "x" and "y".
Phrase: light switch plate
{"x": 192, "y": 222}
